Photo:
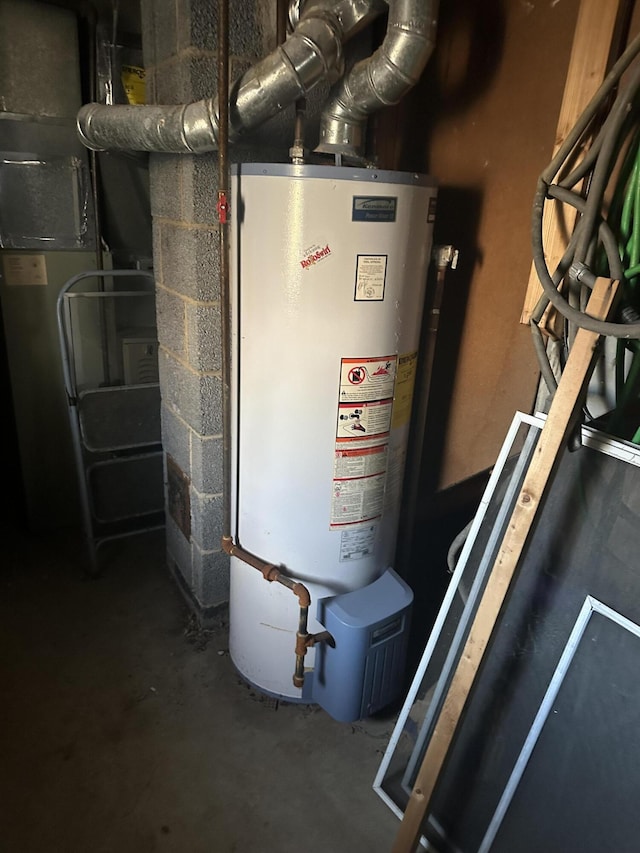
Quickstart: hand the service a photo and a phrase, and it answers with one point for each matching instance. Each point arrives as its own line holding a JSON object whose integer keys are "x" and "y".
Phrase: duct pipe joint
{"x": 312, "y": 53}
{"x": 381, "y": 80}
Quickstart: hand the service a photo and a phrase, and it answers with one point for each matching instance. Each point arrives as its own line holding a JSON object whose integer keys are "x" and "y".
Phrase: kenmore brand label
{"x": 374, "y": 208}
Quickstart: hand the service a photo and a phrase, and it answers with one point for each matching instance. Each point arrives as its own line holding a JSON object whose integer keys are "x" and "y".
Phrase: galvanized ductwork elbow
{"x": 381, "y": 80}
{"x": 312, "y": 53}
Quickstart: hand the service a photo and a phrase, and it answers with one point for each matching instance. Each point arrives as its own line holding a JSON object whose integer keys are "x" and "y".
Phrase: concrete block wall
{"x": 179, "y": 46}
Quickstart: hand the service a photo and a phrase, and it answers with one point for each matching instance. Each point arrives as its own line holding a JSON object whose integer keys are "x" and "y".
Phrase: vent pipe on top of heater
{"x": 381, "y": 80}
{"x": 312, "y": 53}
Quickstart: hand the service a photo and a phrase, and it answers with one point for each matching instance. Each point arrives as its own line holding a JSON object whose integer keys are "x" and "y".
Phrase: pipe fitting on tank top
{"x": 381, "y": 80}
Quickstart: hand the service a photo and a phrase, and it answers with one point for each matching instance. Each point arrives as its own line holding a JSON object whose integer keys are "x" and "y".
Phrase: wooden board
{"x": 562, "y": 418}
{"x": 588, "y": 66}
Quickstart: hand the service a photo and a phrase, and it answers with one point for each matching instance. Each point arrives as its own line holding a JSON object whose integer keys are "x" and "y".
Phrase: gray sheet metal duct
{"x": 312, "y": 53}
{"x": 382, "y": 79}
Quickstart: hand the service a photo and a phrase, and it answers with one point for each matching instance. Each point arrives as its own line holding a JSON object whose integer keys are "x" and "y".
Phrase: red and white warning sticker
{"x": 359, "y": 477}
{"x": 359, "y": 421}
{"x": 362, "y": 462}
{"x": 367, "y": 379}
{"x": 363, "y": 423}
{"x": 358, "y": 500}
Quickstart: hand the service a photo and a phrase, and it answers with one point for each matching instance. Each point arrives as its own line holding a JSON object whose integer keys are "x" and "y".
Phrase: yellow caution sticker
{"x": 405, "y": 381}
{"x": 133, "y": 82}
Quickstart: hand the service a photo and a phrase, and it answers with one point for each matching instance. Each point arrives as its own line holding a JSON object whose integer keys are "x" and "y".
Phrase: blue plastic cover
{"x": 364, "y": 672}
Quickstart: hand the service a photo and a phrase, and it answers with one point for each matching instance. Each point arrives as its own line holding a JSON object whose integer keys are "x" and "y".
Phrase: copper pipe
{"x": 301, "y": 646}
{"x": 271, "y": 573}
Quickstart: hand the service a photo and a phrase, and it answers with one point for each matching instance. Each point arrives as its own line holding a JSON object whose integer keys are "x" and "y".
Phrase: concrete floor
{"x": 124, "y": 729}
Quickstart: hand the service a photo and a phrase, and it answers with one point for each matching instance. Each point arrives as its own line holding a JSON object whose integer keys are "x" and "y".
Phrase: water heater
{"x": 328, "y": 268}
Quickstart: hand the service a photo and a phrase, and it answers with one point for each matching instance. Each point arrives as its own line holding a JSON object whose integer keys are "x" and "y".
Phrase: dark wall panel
{"x": 482, "y": 121}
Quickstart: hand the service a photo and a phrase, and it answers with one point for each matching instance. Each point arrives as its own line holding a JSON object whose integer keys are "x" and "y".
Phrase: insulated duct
{"x": 312, "y": 53}
{"x": 381, "y": 80}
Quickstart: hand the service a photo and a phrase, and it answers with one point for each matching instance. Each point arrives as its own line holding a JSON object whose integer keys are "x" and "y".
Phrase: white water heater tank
{"x": 329, "y": 267}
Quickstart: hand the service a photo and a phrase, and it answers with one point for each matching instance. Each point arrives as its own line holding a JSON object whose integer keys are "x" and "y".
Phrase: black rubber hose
{"x": 539, "y": 341}
{"x": 580, "y": 318}
{"x": 606, "y": 162}
{"x": 577, "y": 131}
{"x": 605, "y": 233}
{"x": 585, "y": 166}
{"x": 603, "y": 157}
{"x": 540, "y": 347}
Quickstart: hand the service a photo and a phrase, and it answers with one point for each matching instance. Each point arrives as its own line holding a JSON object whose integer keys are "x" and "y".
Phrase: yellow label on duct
{"x": 133, "y": 82}
{"x": 405, "y": 381}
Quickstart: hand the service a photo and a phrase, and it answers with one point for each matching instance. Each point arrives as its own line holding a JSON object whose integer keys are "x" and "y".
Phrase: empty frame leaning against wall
{"x": 579, "y": 561}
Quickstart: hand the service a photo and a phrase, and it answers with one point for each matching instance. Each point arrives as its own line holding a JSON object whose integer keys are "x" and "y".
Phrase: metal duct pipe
{"x": 381, "y": 80}
{"x": 311, "y": 54}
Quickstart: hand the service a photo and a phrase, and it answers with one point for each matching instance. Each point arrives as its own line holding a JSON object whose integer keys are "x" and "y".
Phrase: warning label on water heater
{"x": 363, "y": 380}
{"x": 363, "y": 424}
{"x": 355, "y": 544}
{"x": 359, "y": 477}
{"x": 361, "y": 462}
{"x": 405, "y": 381}
{"x": 357, "y": 500}
{"x": 357, "y": 421}
{"x": 371, "y": 274}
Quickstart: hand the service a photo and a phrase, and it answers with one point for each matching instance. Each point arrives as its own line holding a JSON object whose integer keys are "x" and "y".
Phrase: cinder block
{"x": 198, "y": 72}
{"x": 156, "y": 239}
{"x": 180, "y": 551}
{"x": 206, "y": 520}
{"x": 210, "y": 577}
{"x": 190, "y": 261}
{"x": 171, "y": 320}
{"x": 203, "y": 335}
{"x": 150, "y": 84}
{"x": 165, "y": 27}
{"x": 195, "y": 397}
{"x": 249, "y": 27}
{"x": 206, "y": 463}
{"x": 199, "y": 188}
{"x": 169, "y": 82}
{"x": 210, "y": 400}
{"x": 165, "y": 177}
{"x": 176, "y": 438}
{"x": 147, "y": 21}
